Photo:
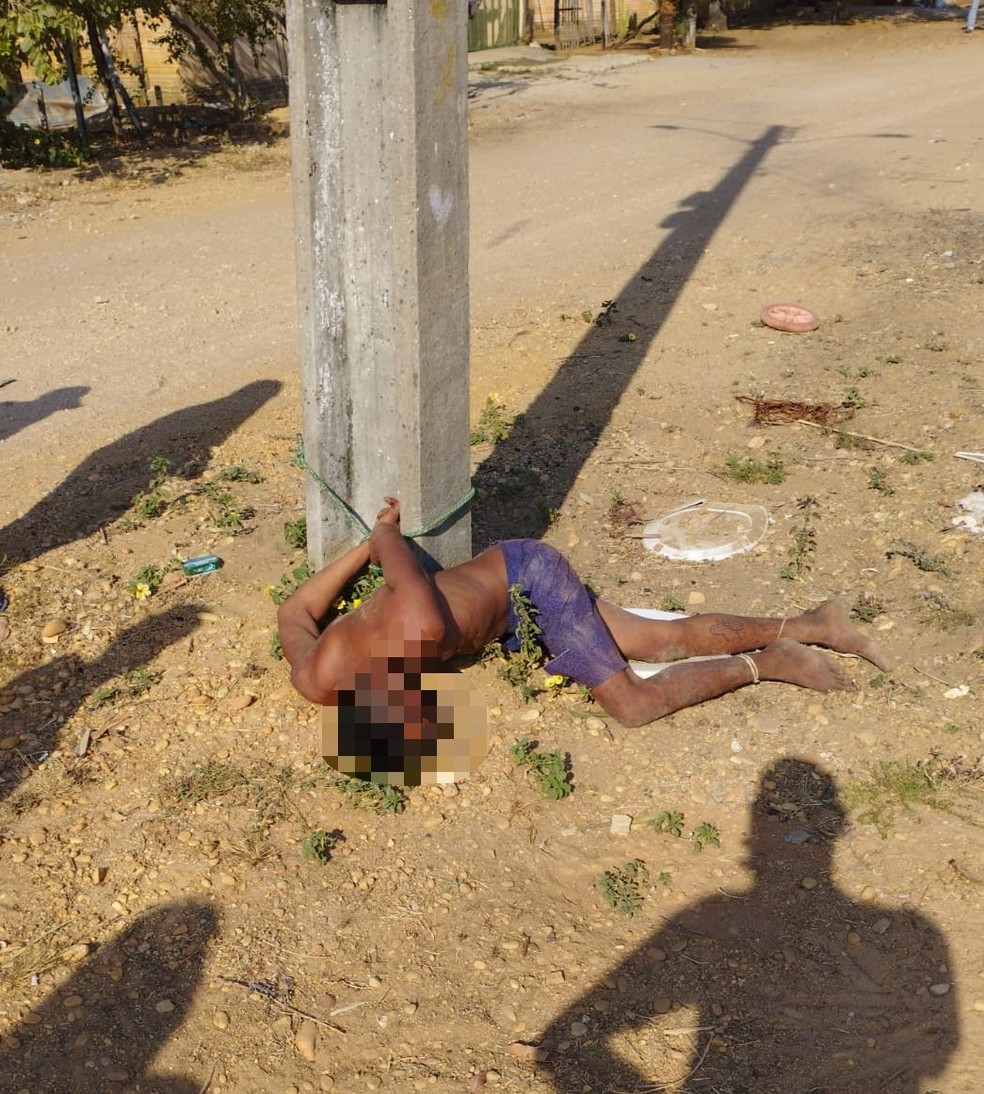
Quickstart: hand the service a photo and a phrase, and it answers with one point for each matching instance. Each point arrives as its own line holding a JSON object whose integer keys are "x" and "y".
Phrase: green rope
{"x": 300, "y": 460}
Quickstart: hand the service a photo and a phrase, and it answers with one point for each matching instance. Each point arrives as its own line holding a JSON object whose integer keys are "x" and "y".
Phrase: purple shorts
{"x": 574, "y": 634}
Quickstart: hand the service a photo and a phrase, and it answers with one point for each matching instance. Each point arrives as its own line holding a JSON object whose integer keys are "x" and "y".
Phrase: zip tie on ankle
{"x": 751, "y": 664}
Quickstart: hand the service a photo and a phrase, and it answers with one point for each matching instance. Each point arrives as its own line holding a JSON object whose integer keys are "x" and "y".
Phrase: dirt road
{"x": 629, "y": 221}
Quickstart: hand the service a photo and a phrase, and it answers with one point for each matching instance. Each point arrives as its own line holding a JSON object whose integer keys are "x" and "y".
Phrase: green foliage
{"x": 804, "y": 537}
{"x": 671, "y": 603}
{"x": 295, "y": 533}
{"x": 363, "y": 586}
{"x": 622, "y": 888}
{"x": 749, "y": 470}
{"x": 138, "y": 681}
{"x": 276, "y": 647}
{"x": 203, "y": 782}
{"x": 549, "y": 770}
{"x": 237, "y": 473}
{"x": 319, "y": 845}
{"x": 854, "y": 398}
{"x": 667, "y": 822}
{"x": 705, "y": 835}
{"x": 147, "y": 581}
{"x": 22, "y": 147}
{"x": 866, "y": 608}
{"x": 518, "y": 670}
{"x": 289, "y": 583}
{"x": 919, "y": 557}
{"x": 912, "y": 458}
{"x": 890, "y": 785}
{"x": 226, "y": 513}
{"x": 384, "y": 798}
{"x": 207, "y": 29}
{"x": 877, "y": 481}
{"x": 493, "y": 425}
{"x": 153, "y": 501}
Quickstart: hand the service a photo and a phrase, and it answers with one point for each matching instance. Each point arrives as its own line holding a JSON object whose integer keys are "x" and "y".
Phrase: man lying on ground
{"x": 418, "y": 620}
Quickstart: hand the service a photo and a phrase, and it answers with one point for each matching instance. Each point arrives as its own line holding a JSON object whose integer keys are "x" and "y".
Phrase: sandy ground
{"x": 160, "y": 926}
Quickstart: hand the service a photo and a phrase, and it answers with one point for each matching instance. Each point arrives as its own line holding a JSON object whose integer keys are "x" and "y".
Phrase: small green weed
{"x": 276, "y": 647}
{"x": 383, "y": 797}
{"x": 804, "y": 537}
{"x": 622, "y": 888}
{"x": 319, "y": 845}
{"x": 295, "y": 533}
{"x": 854, "y": 398}
{"x": 22, "y": 147}
{"x": 912, "y": 458}
{"x": 204, "y": 782}
{"x": 862, "y": 372}
{"x": 877, "y": 480}
{"x": 549, "y": 770}
{"x": 153, "y": 501}
{"x": 359, "y": 588}
{"x": 867, "y": 608}
{"x": 148, "y": 580}
{"x": 493, "y": 424}
{"x": 705, "y": 835}
{"x": 919, "y": 557}
{"x": 228, "y": 517}
{"x": 289, "y": 583}
{"x": 943, "y": 615}
{"x": 519, "y": 669}
{"x": 667, "y": 822}
{"x": 749, "y": 470}
{"x": 237, "y": 473}
{"x": 671, "y": 603}
{"x": 138, "y": 681}
{"x": 891, "y": 785}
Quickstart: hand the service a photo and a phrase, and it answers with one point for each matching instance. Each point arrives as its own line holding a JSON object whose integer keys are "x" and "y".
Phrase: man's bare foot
{"x": 831, "y": 627}
{"x": 790, "y": 662}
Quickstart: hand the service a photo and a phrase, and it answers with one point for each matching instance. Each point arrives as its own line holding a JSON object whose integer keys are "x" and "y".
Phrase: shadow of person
{"x": 15, "y": 416}
{"x": 787, "y": 987}
{"x": 102, "y": 487}
{"x": 133, "y": 993}
{"x": 51, "y": 693}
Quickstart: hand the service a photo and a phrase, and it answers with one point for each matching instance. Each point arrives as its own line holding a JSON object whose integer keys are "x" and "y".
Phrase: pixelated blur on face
{"x": 405, "y": 727}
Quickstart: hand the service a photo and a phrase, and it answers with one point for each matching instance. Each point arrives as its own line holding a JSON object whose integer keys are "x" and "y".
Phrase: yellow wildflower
{"x": 356, "y": 602}
{"x": 141, "y": 590}
{"x": 556, "y": 681}
{"x": 339, "y": 604}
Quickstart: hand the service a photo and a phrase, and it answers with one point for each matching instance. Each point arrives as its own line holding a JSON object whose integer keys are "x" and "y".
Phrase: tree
{"x": 209, "y": 31}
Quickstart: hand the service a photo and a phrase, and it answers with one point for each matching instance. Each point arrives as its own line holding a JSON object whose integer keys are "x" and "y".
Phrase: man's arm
{"x": 299, "y": 617}
{"x": 402, "y": 571}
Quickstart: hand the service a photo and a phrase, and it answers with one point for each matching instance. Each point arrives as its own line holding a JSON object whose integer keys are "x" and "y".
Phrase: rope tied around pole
{"x": 300, "y": 460}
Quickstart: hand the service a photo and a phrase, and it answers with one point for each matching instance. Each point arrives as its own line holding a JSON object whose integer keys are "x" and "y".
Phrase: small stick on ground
{"x": 860, "y": 436}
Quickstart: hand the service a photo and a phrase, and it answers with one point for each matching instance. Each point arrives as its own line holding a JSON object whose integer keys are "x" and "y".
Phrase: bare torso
{"x": 473, "y": 606}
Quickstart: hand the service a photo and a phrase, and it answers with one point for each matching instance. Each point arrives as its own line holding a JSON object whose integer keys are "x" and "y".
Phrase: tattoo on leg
{"x": 728, "y": 628}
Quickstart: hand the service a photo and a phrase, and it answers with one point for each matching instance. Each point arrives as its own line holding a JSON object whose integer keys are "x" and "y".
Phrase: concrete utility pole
{"x": 378, "y": 96}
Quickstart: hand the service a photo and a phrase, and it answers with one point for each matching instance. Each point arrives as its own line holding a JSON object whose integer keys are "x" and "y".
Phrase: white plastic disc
{"x": 706, "y": 531}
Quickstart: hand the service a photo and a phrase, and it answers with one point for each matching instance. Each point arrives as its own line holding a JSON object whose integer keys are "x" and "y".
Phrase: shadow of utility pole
{"x": 533, "y": 470}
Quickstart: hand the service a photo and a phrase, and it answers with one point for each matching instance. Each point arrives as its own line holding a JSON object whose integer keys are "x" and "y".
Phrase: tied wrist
{"x": 751, "y": 665}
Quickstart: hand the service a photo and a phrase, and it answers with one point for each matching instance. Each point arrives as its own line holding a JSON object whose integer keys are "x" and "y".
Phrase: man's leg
{"x": 691, "y": 636}
{"x": 972, "y": 16}
{"x": 636, "y": 702}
